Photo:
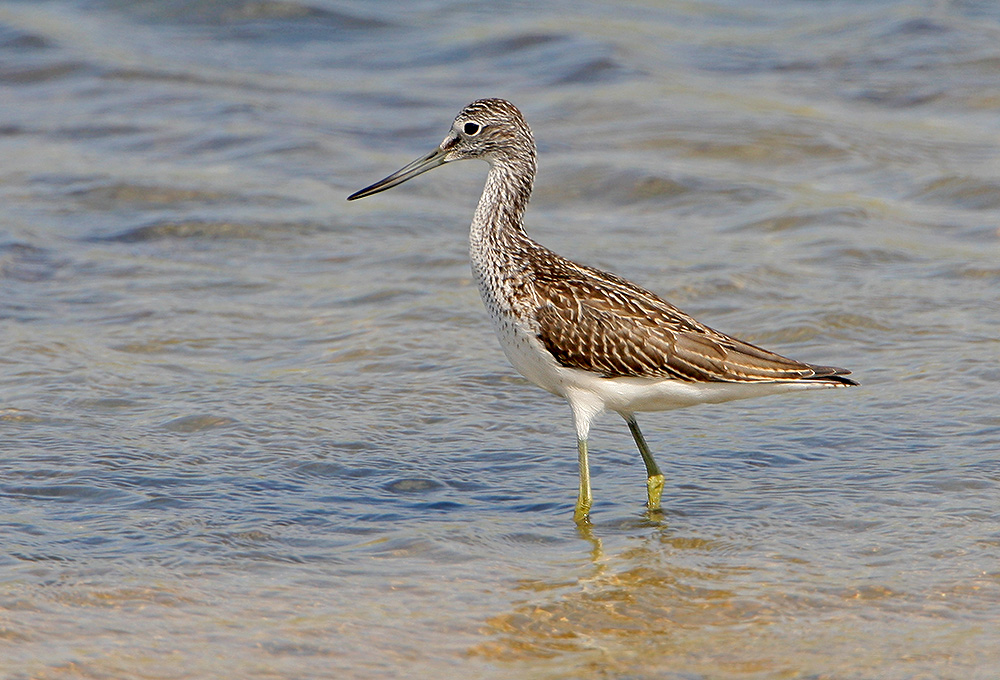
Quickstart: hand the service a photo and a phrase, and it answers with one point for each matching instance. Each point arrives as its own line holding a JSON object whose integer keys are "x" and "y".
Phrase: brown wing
{"x": 599, "y": 322}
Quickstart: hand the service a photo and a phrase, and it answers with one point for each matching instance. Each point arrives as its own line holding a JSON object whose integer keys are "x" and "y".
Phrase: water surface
{"x": 251, "y": 430}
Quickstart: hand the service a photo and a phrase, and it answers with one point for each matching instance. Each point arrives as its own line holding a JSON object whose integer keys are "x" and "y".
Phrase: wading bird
{"x": 588, "y": 336}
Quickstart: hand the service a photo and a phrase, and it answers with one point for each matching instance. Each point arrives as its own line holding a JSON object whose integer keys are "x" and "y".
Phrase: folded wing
{"x": 601, "y": 323}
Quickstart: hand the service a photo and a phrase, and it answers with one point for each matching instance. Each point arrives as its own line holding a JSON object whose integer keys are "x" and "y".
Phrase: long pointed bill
{"x": 417, "y": 167}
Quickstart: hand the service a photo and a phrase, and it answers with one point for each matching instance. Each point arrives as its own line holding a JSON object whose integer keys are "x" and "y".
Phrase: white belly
{"x": 526, "y": 353}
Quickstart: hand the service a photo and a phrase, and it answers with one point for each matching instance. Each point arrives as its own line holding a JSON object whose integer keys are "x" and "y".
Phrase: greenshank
{"x": 588, "y": 336}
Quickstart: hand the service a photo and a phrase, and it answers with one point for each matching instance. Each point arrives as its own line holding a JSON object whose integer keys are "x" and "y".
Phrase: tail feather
{"x": 831, "y": 374}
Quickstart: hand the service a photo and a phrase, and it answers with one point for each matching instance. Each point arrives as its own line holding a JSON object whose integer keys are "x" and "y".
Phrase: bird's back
{"x": 599, "y": 322}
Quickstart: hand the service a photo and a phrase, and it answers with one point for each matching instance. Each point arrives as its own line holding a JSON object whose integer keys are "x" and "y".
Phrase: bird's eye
{"x": 471, "y": 129}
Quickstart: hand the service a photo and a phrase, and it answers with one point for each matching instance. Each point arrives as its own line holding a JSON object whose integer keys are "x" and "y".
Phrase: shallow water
{"x": 251, "y": 430}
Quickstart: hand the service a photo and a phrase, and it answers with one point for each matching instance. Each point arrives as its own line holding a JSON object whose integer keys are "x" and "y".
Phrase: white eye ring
{"x": 471, "y": 129}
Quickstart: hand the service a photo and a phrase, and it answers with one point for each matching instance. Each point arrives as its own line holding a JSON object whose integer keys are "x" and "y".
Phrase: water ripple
{"x": 250, "y": 429}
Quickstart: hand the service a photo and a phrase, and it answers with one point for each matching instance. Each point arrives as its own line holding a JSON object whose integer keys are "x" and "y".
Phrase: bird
{"x": 591, "y": 337}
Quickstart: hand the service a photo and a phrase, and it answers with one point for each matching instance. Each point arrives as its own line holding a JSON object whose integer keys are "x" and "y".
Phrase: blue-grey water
{"x": 250, "y": 430}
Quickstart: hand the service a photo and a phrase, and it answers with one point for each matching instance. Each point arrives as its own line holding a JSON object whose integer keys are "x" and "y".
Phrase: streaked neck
{"x": 498, "y": 223}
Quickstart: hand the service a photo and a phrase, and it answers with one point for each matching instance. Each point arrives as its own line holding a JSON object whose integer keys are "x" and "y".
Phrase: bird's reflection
{"x": 649, "y": 593}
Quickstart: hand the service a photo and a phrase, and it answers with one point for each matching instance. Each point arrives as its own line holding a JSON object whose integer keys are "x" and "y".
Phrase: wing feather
{"x": 602, "y": 323}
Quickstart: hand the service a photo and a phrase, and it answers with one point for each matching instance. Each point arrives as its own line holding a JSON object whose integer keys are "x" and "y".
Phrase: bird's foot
{"x": 654, "y": 489}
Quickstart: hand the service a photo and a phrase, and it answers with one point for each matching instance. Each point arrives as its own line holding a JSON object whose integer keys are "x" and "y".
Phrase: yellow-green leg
{"x": 654, "y": 478}
{"x": 583, "y": 502}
